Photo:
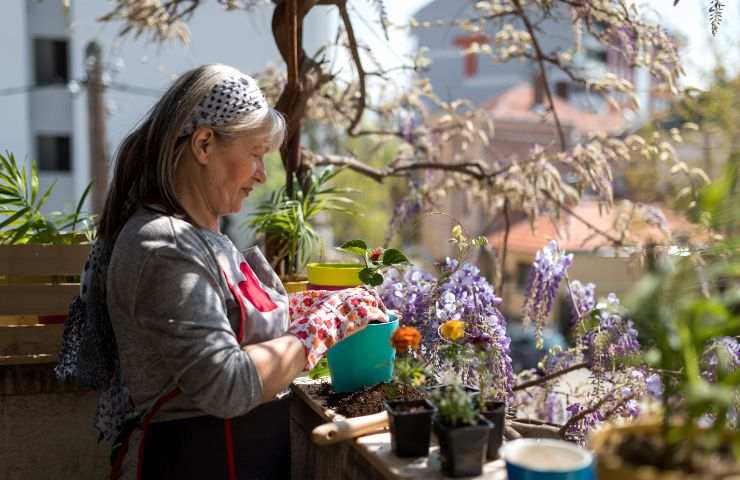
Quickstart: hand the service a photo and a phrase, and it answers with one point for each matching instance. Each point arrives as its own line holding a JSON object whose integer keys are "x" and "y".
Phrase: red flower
{"x": 321, "y": 334}
{"x": 355, "y": 301}
{"x": 307, "y": 302}
{"x": 362, "y": 312}
{"x": 375, "y": 254}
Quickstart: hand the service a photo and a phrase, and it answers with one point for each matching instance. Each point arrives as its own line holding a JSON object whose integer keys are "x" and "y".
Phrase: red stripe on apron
{"x": 242, "y": 314}
{"x": 115, "y": 472}
{"x": 230, "y": 460}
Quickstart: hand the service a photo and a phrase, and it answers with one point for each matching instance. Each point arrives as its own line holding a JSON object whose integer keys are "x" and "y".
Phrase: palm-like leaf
{"x": 288, "y": 220}
{"x": 21, "y": 220}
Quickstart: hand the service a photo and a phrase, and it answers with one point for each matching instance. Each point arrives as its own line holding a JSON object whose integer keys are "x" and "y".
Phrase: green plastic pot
{"x": 363, "y": 359}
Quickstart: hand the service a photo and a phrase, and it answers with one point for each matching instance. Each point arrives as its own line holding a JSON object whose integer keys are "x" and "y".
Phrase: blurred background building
{"x": 43, "y": 88}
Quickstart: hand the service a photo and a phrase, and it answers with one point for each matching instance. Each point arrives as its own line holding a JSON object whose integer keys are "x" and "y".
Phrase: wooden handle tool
{"x": 348, "y": 428}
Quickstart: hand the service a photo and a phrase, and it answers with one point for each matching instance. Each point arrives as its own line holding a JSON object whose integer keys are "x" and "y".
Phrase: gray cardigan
{"x": 175, "y": 317}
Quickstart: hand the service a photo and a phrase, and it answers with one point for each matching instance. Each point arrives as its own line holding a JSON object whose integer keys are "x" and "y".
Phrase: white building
{"x": 42, "y": 54}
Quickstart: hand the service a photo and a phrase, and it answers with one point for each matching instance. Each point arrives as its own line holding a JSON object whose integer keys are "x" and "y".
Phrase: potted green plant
{"x": 21, "y": 203}
{"x": 410, "y": 419}
{"x": 366, "y": 358}
{"x": 329, "y": 276}
{"x": 39, "y": 250}
{"x": 688, "y": 314}
{"x": 285, "y": 223}
{"x": 461, "y": 431}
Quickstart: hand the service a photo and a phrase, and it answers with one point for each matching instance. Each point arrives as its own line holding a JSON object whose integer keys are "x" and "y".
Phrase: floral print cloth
{"x": 321, "y": 318}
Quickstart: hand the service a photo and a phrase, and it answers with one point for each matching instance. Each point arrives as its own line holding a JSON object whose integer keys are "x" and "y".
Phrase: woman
{"x": 203, "y": 337}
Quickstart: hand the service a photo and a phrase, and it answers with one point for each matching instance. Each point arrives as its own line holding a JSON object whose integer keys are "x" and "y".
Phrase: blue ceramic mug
{"x": 541, "y": 459}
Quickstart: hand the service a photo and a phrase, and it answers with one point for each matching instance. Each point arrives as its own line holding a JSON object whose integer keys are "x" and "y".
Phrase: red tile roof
{"x": 517, "y": 104}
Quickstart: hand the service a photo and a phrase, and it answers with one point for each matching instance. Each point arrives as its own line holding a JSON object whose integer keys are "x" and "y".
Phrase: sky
{"x": 689, "y": 19}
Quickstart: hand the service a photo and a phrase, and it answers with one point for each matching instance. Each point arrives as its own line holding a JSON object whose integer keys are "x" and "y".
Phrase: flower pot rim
{"x": 587, "y": 460}
{"x": 482, "y": 422}
{"x": 389, "y": 404}
{"x": 334, "y": 275}
{"x": 338, "y": 266}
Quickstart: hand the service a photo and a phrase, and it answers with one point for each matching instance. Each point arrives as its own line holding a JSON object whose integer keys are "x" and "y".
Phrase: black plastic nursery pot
{"x": 495, "y": 412}
{"x": 462, "y": 450}
{"x": 411, "y": 426}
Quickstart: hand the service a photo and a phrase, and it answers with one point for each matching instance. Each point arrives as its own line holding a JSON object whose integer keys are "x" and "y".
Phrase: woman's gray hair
{"x": 147, "y": 159}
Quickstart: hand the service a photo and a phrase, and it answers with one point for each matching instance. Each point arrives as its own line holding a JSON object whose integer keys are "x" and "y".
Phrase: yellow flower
{"x": 452, "y": 330}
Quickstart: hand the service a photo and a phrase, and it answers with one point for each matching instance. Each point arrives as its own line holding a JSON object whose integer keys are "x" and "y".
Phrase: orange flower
{"x": 405, "y": 339}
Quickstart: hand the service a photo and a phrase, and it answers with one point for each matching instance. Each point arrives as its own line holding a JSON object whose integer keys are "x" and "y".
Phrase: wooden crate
{"x": 36, "y": 282}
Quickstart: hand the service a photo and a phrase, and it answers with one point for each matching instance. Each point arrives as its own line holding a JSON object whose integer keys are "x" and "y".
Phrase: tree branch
{"x": 353, "y": 48}
{"x": 582, "y": 414}
{"x": 543, "y": 72}
{"x": 616, "y": 241}
{"x": 504, "y": 249}
{"x": 550, "y": 376}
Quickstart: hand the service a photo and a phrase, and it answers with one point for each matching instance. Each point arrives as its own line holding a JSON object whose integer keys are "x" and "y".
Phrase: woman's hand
{"x": 321, "y": 318}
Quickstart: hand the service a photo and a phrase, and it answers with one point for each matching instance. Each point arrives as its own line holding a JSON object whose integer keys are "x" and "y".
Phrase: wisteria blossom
{"x": 584, "y": 298}
{"x": 410, "y": 294}
{"x": 548, "y": 270}
{"x": 719, "y": 349}
{"x": 614, "y": 338}
{"x": 460, "y": 294}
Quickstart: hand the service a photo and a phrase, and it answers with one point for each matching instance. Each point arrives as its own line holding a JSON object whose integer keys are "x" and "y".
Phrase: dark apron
{"x": 203, "y": 447}
{"x": 253, "y": 446}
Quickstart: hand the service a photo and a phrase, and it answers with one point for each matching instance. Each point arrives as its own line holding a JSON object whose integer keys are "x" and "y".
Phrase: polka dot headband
{"x": 229, "y": 99}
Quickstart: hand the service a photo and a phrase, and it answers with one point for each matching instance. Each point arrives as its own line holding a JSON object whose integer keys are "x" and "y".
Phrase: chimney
{"x": 538, "y": 84}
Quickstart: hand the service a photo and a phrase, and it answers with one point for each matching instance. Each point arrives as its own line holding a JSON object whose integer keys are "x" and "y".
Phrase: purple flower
{"x": 462, "y": 294}
{"x": 632, "y": 408}
{"x": 558, "y": 360}
{"x": 548, "y": 270}
{"x": 721, "y": 352}
{"x": 654, "y": 386}
{"x": 553, "y": 409}
{"x": 410, "y": 294}
{"x": 583, "y": 425}
{"x": 584, "y": 297}
{"x": 614, "y": 338}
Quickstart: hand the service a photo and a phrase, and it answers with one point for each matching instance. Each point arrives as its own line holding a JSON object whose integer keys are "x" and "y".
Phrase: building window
{"x": 51, "y": 61}
{"x": 522, "y": 275}
{"x": 562, "y": 90}
{"x": 54, "y": 153}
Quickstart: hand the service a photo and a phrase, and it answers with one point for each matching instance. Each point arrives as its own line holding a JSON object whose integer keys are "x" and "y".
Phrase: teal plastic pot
{"x": 363, "y": 359}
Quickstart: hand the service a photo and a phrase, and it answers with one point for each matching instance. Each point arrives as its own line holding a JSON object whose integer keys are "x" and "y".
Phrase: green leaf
{"x": 79, "y": 205}
{"x": 355, "y": 247}
{"x": 14, "y": 217}
{"x": 368, "y": 276}
{"x": 394, "y": 257}
{"x": 320, "y": 370}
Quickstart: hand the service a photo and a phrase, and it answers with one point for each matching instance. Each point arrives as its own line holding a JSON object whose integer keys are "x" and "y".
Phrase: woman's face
{"x": 234, "y": 167}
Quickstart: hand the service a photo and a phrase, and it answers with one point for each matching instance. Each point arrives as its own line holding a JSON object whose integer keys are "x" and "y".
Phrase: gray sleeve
{"x": 178, "y": 300}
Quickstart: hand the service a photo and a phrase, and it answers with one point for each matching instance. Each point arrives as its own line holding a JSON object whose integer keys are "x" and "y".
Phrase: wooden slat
{"x": 21, "y": 260}
{"x": 6, "y": 360}
{"x": 35, "y": 299}
{"x": 23, "y": 340}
